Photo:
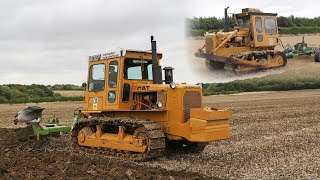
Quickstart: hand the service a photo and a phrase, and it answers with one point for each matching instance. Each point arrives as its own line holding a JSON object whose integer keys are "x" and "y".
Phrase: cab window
{"x": 270, "y": 25}
{"x": 112, "y": 96}
{"x": 113, "y": 74}
{"x": 137, "y": 69}
{"x": 243, "y": 22}
{"x": 258, "y": 24}
{"x": 97, "y": 77}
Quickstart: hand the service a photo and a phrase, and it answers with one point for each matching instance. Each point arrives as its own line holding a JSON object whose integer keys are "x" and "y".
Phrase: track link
{"x": 255, "y": 53}
{"x": 154, "y": 132}
{"x": 261, "y": 54}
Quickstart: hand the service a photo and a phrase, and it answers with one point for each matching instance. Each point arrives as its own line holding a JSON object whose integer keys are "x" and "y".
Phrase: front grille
{"x": 191, "y": 99}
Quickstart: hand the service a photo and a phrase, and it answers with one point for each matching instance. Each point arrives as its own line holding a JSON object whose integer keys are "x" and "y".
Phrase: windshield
{"x": 243, "y": 22}
{"x": 97, "y": 77}
{"x": 138, "y": 69}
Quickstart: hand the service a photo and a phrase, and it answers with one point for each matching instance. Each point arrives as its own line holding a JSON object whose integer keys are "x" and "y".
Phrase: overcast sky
{"x": 48, "y": 42}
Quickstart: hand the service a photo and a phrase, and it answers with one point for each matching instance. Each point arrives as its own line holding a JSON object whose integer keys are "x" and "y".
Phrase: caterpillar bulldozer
{"x": 130, "y": 112}
{"x": 250, "y": 46}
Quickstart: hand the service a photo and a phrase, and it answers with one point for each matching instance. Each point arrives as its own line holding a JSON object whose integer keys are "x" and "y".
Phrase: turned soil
{"x": 274, "y": 135}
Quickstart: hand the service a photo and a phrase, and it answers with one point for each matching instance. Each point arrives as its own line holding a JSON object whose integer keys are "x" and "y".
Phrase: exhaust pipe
{"x": 226, "y": 20}
{"x": 156, "y": 69}
{"x": 168, "y": 75}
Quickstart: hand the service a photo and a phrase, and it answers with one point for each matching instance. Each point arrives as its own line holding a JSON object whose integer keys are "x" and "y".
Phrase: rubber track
{"x": 154, "y": 133}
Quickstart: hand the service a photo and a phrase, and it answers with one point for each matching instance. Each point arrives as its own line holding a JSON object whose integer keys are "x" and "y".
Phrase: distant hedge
{"x": 197, "y": 26}
{"x": 16, "y": 93}
{"x": 65, "y": 87}
{"x": 261, "y": 84}
{"x": 300, "y": 30}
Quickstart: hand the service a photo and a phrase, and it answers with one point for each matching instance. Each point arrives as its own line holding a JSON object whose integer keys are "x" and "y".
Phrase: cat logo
{"x": 143, "y": 88}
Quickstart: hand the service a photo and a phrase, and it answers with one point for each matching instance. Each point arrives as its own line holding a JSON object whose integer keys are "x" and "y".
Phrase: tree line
{"x": 16, "y": 93}
{"x": 272, "y": 83}
{"x": 197, "y": 26}
{"x": 65, "y": 87}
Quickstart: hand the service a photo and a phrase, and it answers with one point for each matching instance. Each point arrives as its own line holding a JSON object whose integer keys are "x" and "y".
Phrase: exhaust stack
{"x": 168, "y": 75}
{"x": 226, "y": 20}
{"x": 156, "y": 69}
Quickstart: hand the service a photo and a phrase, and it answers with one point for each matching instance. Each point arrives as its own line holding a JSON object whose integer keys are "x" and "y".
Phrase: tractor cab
{"x": 262, "y": 27}
{"x": 112, "y": 78}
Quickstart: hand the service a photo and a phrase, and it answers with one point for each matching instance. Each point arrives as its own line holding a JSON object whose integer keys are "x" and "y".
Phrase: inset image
{"x": 251, "y": 42}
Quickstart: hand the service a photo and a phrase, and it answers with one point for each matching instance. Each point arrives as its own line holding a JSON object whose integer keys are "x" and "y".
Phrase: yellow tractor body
{"x": 128, "y": 108}
{"x": 250, "y": 46}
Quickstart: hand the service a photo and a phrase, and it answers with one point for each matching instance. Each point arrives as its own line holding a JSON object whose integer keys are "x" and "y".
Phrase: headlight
{"x": 159, "y": 104}
{"x": 173, "y": 85}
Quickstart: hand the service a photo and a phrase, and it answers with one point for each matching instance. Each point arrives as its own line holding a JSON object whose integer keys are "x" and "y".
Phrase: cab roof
{"x": 121, "y": 53}
{"x": 254, "y": 11}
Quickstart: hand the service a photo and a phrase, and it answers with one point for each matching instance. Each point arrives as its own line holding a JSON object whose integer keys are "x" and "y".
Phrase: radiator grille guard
{"x": 191, "y": 99}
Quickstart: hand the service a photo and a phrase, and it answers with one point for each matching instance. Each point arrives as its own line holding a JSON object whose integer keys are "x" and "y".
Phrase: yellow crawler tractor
{"x": 130, "y": 112}
{"x": 250, "y": 46}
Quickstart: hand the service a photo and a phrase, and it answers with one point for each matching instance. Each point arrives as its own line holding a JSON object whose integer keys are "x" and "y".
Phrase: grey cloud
{"x": 49, "y": 41}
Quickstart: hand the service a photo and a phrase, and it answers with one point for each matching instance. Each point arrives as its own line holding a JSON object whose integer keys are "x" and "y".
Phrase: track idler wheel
{"x": 140, "y": 134}
{"x": 84, "y": 134}
{"x": 281, "y": 59}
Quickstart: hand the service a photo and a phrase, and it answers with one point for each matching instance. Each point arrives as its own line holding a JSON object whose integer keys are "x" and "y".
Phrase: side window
{"x": 111, "y": 96}
{"x": 150, "y": 75}
{"x": 113, "y": 74}
{"x": 270, "y": 25}
{"x": 97, "y": 77}
{"x": 258, "y": 24}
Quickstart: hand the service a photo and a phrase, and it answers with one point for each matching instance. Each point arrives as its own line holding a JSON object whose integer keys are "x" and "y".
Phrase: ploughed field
{"x": 275, "y": 135}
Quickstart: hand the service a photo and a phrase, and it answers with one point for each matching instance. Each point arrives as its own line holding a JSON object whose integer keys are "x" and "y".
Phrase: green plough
{"x": 299, "y": 49}
{"x": 49, "y": 128}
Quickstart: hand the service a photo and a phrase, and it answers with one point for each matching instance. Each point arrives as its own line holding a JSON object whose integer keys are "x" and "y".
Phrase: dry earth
{"x": 300, "y": 65}
{"x": 275, "y": 135}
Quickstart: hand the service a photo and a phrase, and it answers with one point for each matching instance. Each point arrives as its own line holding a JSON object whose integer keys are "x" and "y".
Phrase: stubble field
{"x": 70, "y": 93}
{"x": 275, "y": 135}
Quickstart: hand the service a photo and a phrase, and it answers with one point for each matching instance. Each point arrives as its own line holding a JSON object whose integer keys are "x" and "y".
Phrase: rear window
{"x": 270, "y": 25}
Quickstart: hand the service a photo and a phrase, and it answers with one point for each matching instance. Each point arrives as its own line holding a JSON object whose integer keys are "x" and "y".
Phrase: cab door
{"x": 265, "y": 31}
{"x": 271, "y": 30}
{"x": 112, "y": 93}
{"x": 95, "y": 95}
{"x": 258, "y": 31}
